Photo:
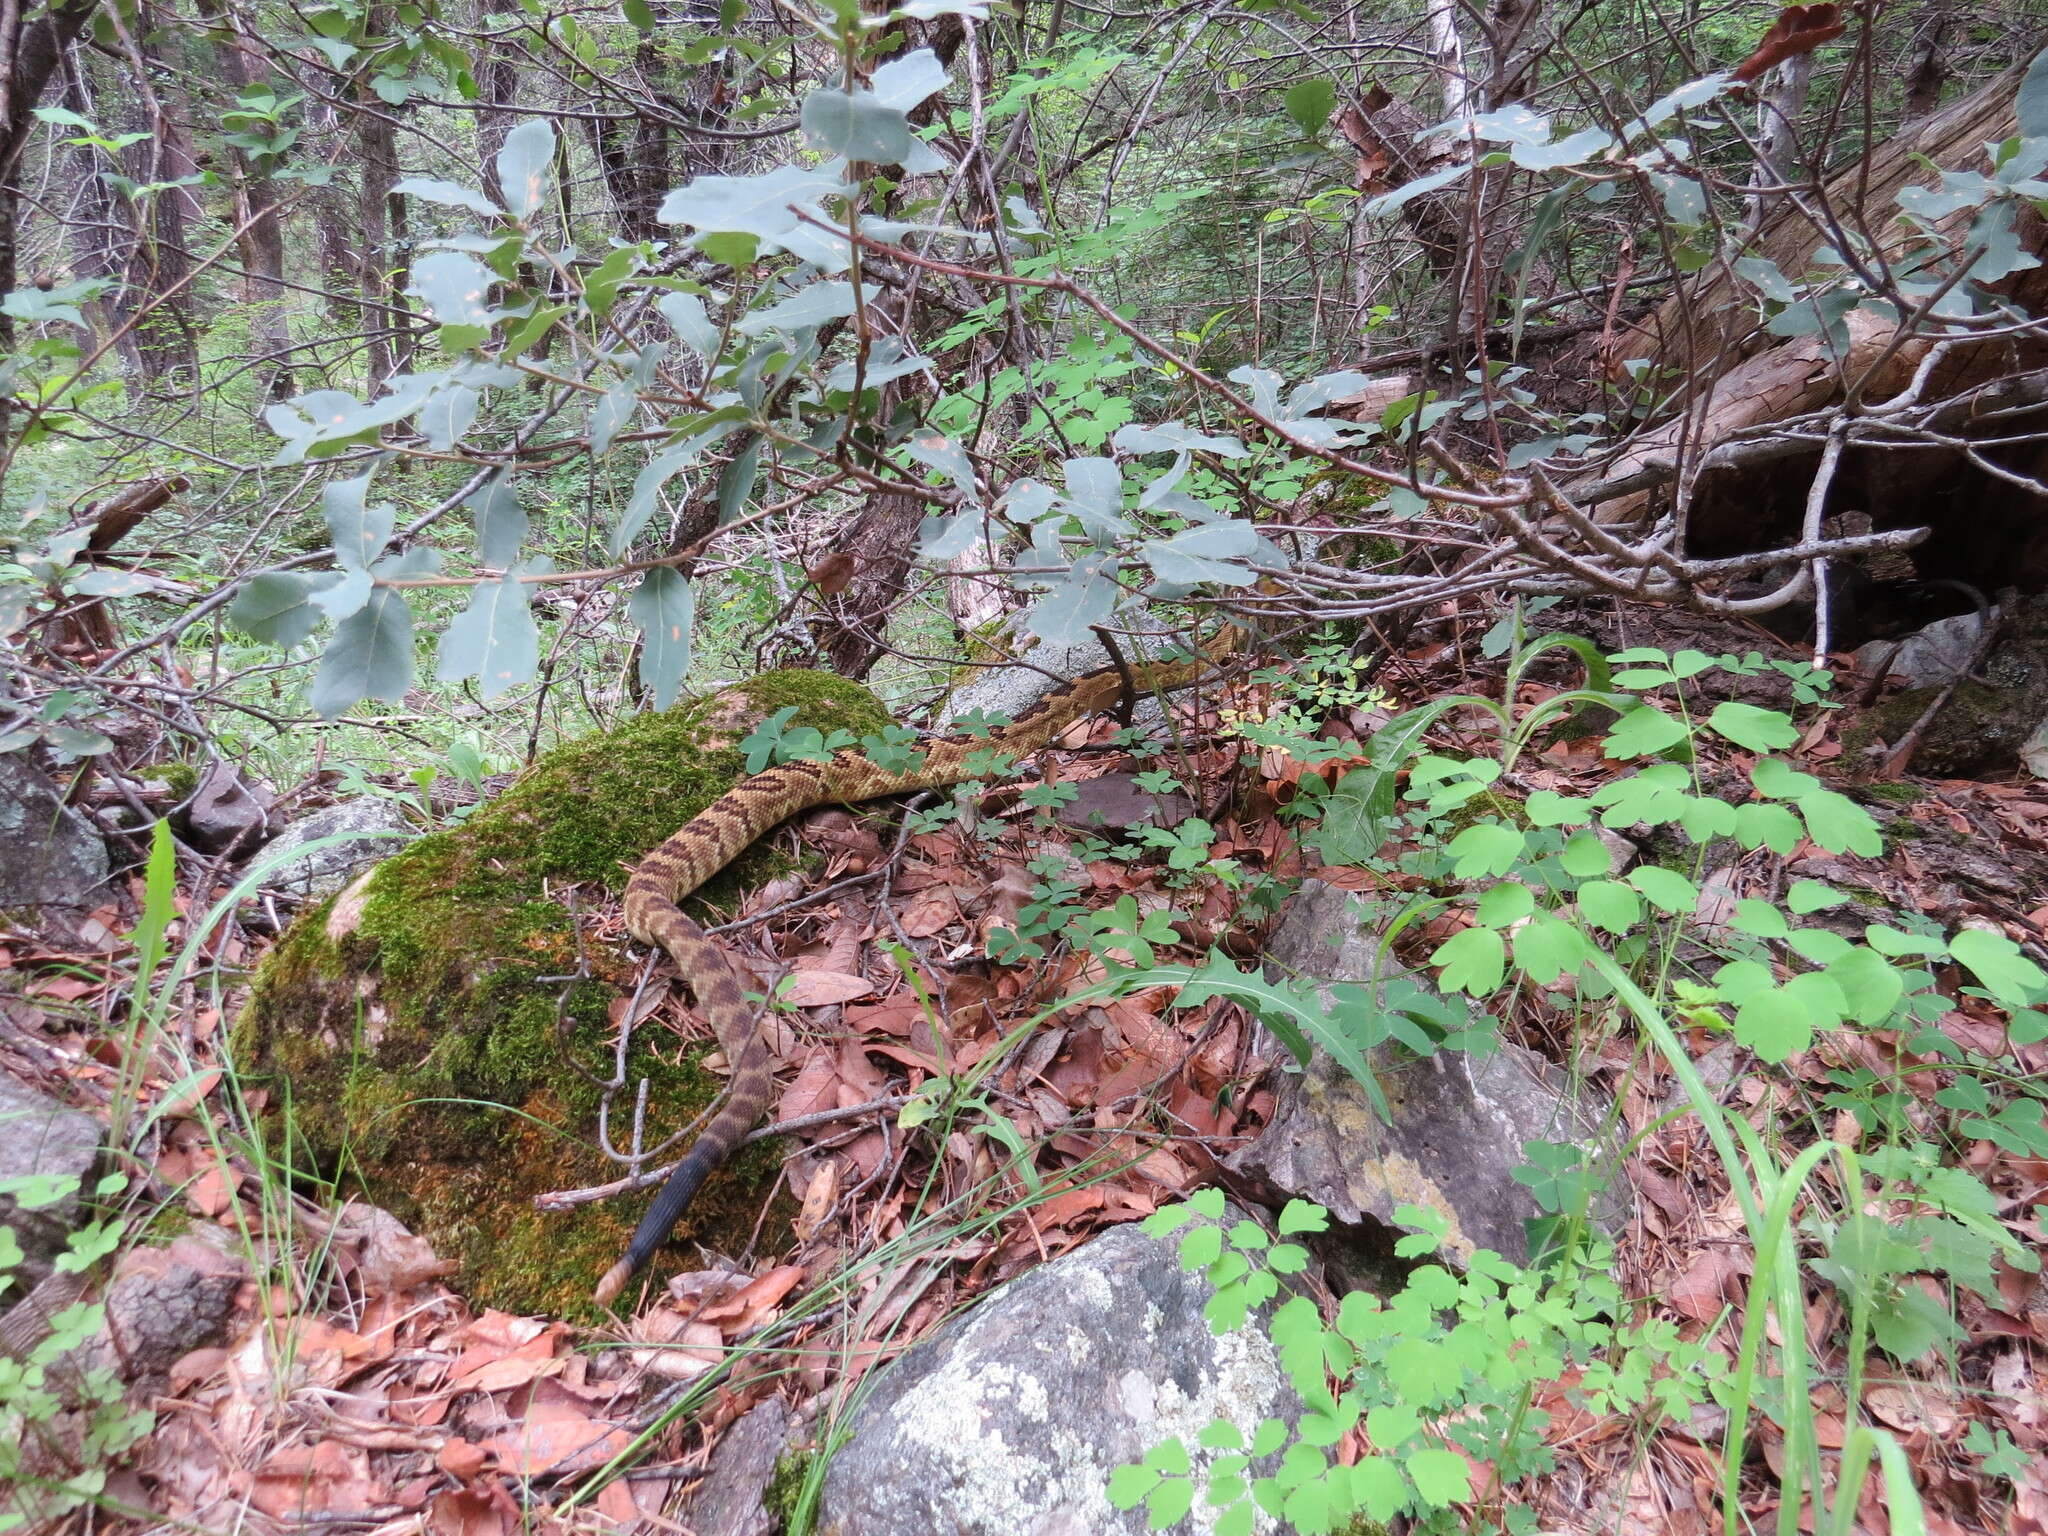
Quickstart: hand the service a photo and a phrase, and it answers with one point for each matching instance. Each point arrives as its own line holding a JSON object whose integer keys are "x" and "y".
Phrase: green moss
{"x": 182, "y": 778}
{"x": 441, "y": 1032}
{"x": 1895, "y": 794}
{"x": 786, "y": 1486}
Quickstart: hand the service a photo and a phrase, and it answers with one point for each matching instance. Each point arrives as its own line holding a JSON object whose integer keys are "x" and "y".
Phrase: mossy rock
{"x": 1982, "y": 728}
{"x": 433, "y": 1031}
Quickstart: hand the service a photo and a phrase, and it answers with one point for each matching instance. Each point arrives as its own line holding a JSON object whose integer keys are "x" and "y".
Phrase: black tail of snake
{"x": 717, "y": 835}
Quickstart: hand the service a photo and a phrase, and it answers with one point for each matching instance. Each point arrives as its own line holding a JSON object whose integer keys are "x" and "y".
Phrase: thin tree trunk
{"x": 380, "y": 215}
{"x": 261, "y": 241}
{"x": 1778, "y": 114}
{"x": 103, "y": 236}
{"x": 31, "y": 53}
{"x": 497, "y": 83}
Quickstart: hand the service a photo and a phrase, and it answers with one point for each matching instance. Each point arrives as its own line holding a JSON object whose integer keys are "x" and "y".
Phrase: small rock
{"x": 228, "y": 813}
{"x": 1930, "y": 657}
{"x": 729, "y": 1500}
{"x": 1010, "y": 1419}
{"x": 49, "y": 854}
{"x": 41, "y": 1138}
{"x": 1115, "y": 801}
{"x": 376, "y": 827}
{"x": 1459, "y": 1120}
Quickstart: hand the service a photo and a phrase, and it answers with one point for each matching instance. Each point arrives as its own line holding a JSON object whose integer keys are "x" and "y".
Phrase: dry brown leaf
{"x": 554, "y": 1438}
{"x": 754, "y": 1303}
{"x": 832, "y": 574}
{"x": 493, "y": 1365}
{"x": 896, "y": 1015}
{"x": 458, "y": 1458}
{"x": 820, "y": 989}
{"x": 214, "y": 1190}
{"x": 466, "y": 1512}
{"x": 820, "y": 1195}
{"x": 1798, "y": 29}
{"x": 1704, "y": 1285}
{"x": 814, "y": 1088}
{"x": 931, "y": 912}
{"x": 328, "y": 1478}
{"x": 690, "y": 1348}
{"x": 621, "y": 1503}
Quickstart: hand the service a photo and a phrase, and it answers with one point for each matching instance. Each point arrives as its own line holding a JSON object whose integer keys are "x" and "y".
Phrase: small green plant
{"x": 775, "y": 740}
{"x": 63, "y": 1426}
{"x": 1544, "y": 908}
{"x": 1440, "y": 1376}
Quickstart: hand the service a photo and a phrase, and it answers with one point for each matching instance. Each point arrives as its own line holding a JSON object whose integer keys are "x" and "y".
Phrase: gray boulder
{"x": 378, "y": 827}
{"x": 49, "y": 854}
{"x": 41, "y": 1140}
{"x": 1010, "y": 1419}
{"x": 1458, "y": 1120}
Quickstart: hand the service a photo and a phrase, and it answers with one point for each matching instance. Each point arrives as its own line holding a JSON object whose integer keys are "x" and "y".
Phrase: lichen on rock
{"x": 434, "y": 1031}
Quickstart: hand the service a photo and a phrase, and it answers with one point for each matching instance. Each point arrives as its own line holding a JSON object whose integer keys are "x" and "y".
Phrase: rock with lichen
{"x": 1015, "y": 1416}
{"x": 440, "y": 1030}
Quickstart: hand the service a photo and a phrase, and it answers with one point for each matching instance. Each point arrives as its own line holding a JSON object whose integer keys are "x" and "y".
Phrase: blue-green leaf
{"x": 855, "y": 124}
{"x": 455, "y": 288}
{"x": 370, "y": 656}
{"x": 449, "y": 194}
{"x": 750, "y": 205}
{"x": 523, "y": 166}
{"x": 1084, "y": 598}
{"x": 275, "y": 607}
{"x": 493, "y": 640}
{"x": 688, "y": 318}
{"x": 806, "y": 309}
{"x": 359, "y": 532}
{"x": 665, "y": 607}
{"x": 500, "y": 523}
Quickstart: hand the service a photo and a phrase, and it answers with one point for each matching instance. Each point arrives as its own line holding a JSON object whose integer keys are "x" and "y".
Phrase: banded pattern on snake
{"x": 722, "y": 830}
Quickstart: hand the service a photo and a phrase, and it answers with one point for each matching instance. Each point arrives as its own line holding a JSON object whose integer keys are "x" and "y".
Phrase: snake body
{"x": 722, "y": 830}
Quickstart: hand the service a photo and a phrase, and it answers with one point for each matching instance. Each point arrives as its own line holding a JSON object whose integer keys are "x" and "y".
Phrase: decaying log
{"x": 1738, "y": 379}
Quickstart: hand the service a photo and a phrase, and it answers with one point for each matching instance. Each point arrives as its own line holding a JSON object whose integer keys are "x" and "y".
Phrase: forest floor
{"x": 356, "y": 1386}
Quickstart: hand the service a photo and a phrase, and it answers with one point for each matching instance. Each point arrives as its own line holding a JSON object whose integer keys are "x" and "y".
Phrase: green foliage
{"x": 1451, "y": 1364}
{"x": 775, "y": 740}
{"x": 1442, "y": 1371}
{"x": 65, "y": 1421}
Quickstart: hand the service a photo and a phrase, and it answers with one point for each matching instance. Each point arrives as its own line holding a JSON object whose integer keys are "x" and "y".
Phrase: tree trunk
{"x": 380, "y": 215}
{"x": 261, "y": 239}
{"x": 881, "y": 541}
{"x": 1778, "y": 114}
{"x": 31, "y": 53}
{"x": 103, "y": 236}
{"x": 498, "y": 83}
